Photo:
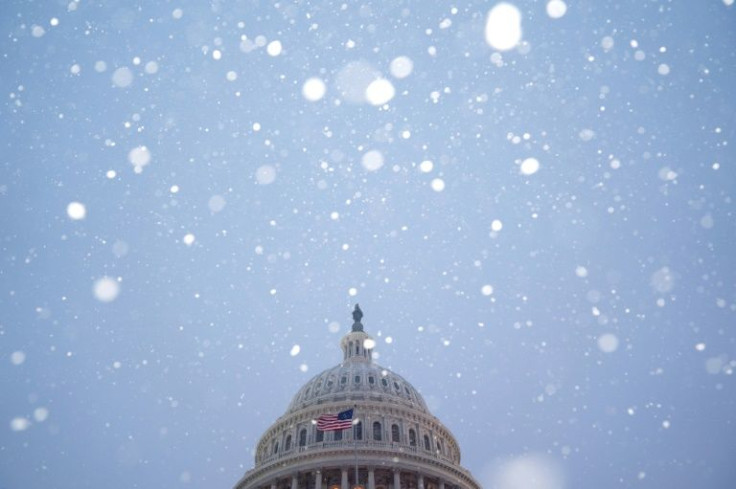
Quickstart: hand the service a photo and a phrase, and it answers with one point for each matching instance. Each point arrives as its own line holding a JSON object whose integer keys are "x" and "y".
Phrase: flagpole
{"x": 355, "y": 450}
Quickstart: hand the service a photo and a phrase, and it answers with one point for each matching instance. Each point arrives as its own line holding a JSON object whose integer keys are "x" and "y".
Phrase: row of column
{"x": 371, "y": 480}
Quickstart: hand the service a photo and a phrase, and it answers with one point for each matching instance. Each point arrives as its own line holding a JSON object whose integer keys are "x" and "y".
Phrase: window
{"x": 358, "y": 431}
{"x": 338, "y": 435}
{"x": 426, "y": 443}
{"x": 303, "y": 438}
{"x": 320, "y": 437}
{"x": 344, "y": 380}
{"x": 395, "y": 433}
{"x": 412, "y": 438}
{"x": 384, "y": 381}
{"x": 396, "y": 385}
{"x": 357, "y": 379}
{"x": 377, "y": 431}
{"x": 287, "y": 445}
{"x": 275, "y": 448}
{"x": 371, "y": 380}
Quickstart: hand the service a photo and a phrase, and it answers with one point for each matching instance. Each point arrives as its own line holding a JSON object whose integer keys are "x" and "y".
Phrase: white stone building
{"x": 394, "y": 441}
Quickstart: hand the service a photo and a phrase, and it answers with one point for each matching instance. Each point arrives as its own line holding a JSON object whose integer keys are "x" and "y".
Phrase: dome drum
{"x": 397, "y": 428}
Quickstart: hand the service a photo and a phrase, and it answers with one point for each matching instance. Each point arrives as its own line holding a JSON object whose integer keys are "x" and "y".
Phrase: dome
{"x": 384, "y": 435}
{"x": 358, "y": 381}
{"x": 357, "y": 378}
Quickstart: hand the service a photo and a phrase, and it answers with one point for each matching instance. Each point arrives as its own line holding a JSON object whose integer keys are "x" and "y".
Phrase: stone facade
{"x": 394, "y": 443}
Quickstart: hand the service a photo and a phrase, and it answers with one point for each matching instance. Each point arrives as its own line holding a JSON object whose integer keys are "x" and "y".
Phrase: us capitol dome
{"x": 390, "y": 439}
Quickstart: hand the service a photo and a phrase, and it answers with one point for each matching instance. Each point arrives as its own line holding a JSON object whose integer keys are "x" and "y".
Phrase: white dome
{"x": 357, "y": 381}
{"x": 393, "y": 441}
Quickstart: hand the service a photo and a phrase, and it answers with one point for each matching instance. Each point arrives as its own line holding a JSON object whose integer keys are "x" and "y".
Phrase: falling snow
{"x": 556, "y": 8}
{"x": 401, "y": 67}
{"x": 503, "y": 26}
{"x": 437, "y": 184}
{"x": 17, "y": 357}
{"x": 139, "y": 157}
{"x": 122, "y": 77}
{"x": 529, "y": 166}
{"x": 274, "y": 48}
{"x": 608, "y": 343}
{"x": 106, "y": 289}
{"x": 314, "y": 89}
{"x": 379, "y": 92}
{"x": 76, "y": 211}
{"x": 372, "y": 160}
{"x": 533, "y": 203}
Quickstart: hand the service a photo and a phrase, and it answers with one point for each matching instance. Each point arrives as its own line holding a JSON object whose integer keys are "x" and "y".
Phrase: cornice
{"x": 336, "y": 457}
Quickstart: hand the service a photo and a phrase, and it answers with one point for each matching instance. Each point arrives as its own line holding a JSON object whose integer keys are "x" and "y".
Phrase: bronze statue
{"x": 357, "y": 316}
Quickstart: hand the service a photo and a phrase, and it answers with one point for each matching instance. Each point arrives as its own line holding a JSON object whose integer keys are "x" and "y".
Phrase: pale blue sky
{"x": 573, "y": 316}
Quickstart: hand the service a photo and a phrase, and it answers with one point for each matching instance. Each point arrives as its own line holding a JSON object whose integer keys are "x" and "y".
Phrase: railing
{"x": 392, "y": 447}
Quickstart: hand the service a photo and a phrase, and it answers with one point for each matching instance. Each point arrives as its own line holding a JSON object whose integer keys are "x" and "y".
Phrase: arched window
{"x": 384, "y": 381}
{"x": 412, "y": 438}
{"x": 303, "y": 438}
{"x": 395, "y": 433}
{"x": 320, "y": 437}
{"x": 358, "y": 431}
{"x": 377, "y": 431}
{"x": 338, "y": 435}
{"x": 275, "y": 447}
{"x": 426, "y": 443}
{"x": 287, "y": 445}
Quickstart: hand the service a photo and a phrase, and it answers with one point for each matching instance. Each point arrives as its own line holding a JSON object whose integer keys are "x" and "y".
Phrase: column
{"x": 318, "y": 480}
{"x": 441, "y": 486}
{"x": 295, "y": 482}
{"x": 397, "y": 479}
{"x": 273, "y": 485}
{"x": 371, "y": 478}
{"x": 344, "y": 482}
{"x": 420, "y": 482}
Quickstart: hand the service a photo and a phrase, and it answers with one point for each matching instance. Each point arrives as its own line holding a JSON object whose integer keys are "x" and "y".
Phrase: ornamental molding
{"x": 307, "y": 460}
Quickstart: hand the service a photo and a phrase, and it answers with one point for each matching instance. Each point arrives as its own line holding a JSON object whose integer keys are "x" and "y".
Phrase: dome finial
{"x": 357, "y": 316}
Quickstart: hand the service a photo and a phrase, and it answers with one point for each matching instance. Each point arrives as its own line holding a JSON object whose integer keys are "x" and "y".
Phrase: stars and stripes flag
{"x": 334, "y": 422}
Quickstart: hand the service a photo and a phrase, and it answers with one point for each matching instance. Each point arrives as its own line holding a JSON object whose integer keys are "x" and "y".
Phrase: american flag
{"x": 334, "y": 422}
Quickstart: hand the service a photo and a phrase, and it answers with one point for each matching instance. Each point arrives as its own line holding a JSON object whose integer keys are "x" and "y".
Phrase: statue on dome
{"x": 357, "y": 316}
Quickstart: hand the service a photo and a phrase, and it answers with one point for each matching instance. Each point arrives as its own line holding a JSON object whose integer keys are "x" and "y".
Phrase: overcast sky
{"x": 532, "y": 202}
